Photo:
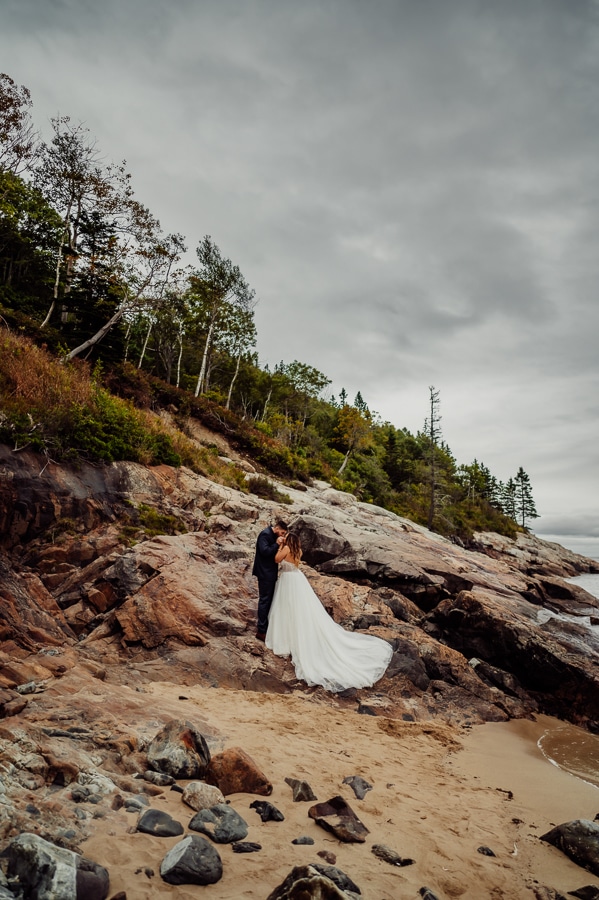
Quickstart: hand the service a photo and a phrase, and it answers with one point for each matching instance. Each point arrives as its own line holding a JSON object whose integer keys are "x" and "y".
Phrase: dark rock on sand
{"x": 194, "y": 860}
{"x": 159, "y": 823}
{"x": 245, "y": 847}
{"x": 390, "y": 856}
{"x": 579, "y": 840}
{"x": 221, "y": 823}
{"x": 301, "y": 790}
{"x": 589, "y": 892}
{"x": 359, "y": 785}
{"x": 305, "y": 839}
{"x": 267, "y": 812}
{"x": 336, "y": 816}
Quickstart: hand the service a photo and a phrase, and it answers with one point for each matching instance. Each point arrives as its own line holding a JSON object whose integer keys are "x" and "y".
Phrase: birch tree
{"x": 216, "y": 285}
{"x": 72, "y": 177}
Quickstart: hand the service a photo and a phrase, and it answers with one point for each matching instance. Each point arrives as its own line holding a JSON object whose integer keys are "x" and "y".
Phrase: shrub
{"x": 265, "y": 488}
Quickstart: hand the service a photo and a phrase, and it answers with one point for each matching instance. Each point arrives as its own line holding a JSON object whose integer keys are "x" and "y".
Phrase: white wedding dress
{"x": 321, "y": 651}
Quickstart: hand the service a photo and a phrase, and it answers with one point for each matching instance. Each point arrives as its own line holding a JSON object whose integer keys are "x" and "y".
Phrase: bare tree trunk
{"x": 202, "y": 375}
{"x": 145, "y": 346}
{"x": 56, "y": 286}
{"x": 127, "y": 342}
{"x": 266, "y": 405}
{"x": 179, "y": 359}
{"x": 341, "y": 469}
{"x": 233, "y": 380}
{"x": 97, "y": 337}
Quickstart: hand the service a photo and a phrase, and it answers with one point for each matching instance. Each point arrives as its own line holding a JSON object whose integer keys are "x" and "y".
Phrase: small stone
{"x": 427, "y": 894}
{"x": 359, "y": 785}
{"x": 158, "y": 823}
{"x": 245, "y": 847}
{"x": 486, "y": 851}
{"x": 390, "y": 856}
{"x": 304, "y": 839}
{"x": 137, "y": 803}
{"x": 267, "y": 812}
{"x": 327, "y": 856}
{"x": 301, "y": 790}
{"x": 80, "y": 793}
{"x": 158, "y": 778}
{"x": 29, "y": 688}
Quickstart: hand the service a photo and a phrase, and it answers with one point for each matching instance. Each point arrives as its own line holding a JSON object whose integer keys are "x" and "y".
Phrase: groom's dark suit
{"x": 266, "y": 571}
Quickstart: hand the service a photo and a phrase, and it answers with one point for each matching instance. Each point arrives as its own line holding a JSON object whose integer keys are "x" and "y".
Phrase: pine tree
{"x": 508, "y": 498}
{"x": 525, "y": 505}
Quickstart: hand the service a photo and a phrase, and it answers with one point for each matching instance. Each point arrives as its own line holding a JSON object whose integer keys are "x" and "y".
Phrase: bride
{"x": 321, "y": 651}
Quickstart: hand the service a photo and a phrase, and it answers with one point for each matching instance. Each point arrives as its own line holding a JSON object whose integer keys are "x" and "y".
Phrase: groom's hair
{"x": 283, "y": 525}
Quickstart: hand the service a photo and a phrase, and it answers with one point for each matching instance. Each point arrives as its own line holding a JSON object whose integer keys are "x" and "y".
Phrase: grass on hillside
{"x": 61, "y": 410}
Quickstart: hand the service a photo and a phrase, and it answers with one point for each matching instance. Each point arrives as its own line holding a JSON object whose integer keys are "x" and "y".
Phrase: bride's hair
{"x": 294, "y": 544}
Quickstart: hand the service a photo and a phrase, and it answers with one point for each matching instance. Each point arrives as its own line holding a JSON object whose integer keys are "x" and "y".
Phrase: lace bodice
{"x": 286, "y": 566}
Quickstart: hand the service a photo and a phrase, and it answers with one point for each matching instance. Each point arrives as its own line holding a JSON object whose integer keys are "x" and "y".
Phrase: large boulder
{"x": 179, "y": 601}
{"x": 200, "y": 795}
{"x": 579, "y": 840}
{"x": 47, "y": 872}
{"x": 221, "y": 823}
{"x": 194, "y": 860}
{"x": 234, "y": 772}
{"x": 179, "y": 750}
{"x": 315, "y": 881}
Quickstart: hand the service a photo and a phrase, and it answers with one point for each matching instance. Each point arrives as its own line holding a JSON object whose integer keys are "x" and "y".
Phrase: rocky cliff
{"x": 479, "y": 634}
{"x": 116, "y": 577}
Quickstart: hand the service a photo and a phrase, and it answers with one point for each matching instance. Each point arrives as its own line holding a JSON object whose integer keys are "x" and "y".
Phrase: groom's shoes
{"x": 261, "y": 635}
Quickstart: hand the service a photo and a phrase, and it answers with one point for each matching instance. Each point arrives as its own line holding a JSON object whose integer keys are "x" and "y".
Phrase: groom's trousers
{"x": 266, "y": 590}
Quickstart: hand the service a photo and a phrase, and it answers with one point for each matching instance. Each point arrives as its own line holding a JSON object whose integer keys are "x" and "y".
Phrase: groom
{"x": 266, "y": 571}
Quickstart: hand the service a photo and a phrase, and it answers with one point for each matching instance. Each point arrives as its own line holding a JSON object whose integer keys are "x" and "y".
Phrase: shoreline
{"x": 439, "y": 793}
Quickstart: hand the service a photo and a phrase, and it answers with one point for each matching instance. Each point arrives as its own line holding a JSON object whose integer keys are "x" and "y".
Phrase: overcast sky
{"x": 410, "y": 186}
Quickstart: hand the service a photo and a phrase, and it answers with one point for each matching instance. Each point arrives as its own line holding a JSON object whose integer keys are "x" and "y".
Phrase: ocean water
{"x": 566, "y": 746}
{"x": 586, "y": 546}
{"x": 573, "y": 750}
{"x": 589, "y": 581}
{"x": 577, "y": 543}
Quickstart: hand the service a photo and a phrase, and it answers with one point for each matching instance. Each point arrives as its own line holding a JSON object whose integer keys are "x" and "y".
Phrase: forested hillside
{"x": 102, "y": 325}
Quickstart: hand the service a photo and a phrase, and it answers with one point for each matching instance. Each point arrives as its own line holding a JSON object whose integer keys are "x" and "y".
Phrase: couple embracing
{"x": 293, "y": 622}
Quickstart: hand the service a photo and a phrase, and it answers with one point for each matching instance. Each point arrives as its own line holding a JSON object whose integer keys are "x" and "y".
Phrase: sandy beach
{"x": 438, "y": 795}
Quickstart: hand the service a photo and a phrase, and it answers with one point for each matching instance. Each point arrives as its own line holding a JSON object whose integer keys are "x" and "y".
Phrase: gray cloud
{"x": 411, "y": 188}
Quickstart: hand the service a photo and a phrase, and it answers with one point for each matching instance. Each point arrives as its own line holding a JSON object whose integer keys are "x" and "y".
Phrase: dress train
{"x": 322, "y": 651}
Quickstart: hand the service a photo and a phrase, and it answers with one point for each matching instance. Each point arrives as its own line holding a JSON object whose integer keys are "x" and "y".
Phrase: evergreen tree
{"x": 525, "y": 505}
{"x": 360, "y": 403}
